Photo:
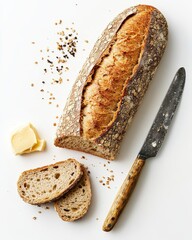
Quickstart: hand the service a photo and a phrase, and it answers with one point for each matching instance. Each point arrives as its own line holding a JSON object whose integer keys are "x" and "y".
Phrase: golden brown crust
{"x": 67, "y": 125}
{"x": 109, "y": 77}
{"x": 108, "y": 106}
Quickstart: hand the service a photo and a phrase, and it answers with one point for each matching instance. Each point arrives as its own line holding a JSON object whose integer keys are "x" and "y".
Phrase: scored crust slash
{"x": 113, "y": 82}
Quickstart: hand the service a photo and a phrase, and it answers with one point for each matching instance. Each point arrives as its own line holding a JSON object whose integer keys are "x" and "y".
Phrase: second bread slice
{"x": 74, "y": 204}
{"x": 48, "y": 183}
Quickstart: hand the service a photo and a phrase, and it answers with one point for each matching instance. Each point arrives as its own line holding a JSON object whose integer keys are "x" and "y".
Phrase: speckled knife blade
{"x": 163, "y": 118}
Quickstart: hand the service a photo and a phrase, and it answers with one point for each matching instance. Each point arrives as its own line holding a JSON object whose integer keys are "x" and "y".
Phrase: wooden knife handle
{"x": 123, "y": 194}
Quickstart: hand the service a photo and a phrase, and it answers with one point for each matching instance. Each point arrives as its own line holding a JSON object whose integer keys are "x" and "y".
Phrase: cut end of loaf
{"x": 85, "y": 145}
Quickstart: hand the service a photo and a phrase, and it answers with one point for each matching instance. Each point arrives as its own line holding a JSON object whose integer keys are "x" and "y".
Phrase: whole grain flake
{"x": 57, "y": 59}
{"x": 54, "y": 60}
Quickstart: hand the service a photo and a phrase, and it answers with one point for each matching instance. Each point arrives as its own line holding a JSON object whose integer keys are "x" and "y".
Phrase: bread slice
{"x": 48, "y": 183}
{"x": 74, "y": 204}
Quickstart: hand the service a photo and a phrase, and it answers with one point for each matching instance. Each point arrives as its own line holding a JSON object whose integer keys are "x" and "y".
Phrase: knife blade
{"x": 150, "y": 148}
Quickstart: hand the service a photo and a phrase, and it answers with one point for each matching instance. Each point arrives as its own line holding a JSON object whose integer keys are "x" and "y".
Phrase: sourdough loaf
{"x": 112, "y": 82}
{"x": 48, "y": 183}
{"x": 74, "y": 204}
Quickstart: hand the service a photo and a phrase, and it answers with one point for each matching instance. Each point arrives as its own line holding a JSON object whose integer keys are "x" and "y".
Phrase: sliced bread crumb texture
{"x": 74, "y": 204}
{"x": 48, "y": 183}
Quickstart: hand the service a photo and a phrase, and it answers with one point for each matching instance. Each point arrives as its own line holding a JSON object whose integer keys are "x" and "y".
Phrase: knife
{"x": 150, "y": 147}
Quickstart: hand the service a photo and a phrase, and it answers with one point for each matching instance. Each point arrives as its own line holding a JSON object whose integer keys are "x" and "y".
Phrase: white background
{"x": 161, "y": 206}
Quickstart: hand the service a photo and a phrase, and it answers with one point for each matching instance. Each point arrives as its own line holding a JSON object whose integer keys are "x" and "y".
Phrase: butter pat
{"x": 39, "y": 146}
{"x": 26, "y": 140}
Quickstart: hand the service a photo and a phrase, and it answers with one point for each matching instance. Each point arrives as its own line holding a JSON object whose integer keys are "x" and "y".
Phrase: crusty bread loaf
{"x": 112, "y": 82}
{"x": 74, "y": 204}
{"x": 48, "y": 183}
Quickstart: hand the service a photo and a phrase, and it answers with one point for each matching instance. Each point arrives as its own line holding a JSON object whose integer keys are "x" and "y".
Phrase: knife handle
{"x": 123, "y": 194}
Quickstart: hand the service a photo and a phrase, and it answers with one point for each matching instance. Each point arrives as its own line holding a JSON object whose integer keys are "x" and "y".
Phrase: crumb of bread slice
{"x": 74, "y": 204}
{"x": 48, "y": 183}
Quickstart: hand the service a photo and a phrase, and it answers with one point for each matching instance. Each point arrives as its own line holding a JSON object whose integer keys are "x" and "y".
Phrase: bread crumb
{"x": 34, "y": 218}
{"x": 105, "y": 181}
